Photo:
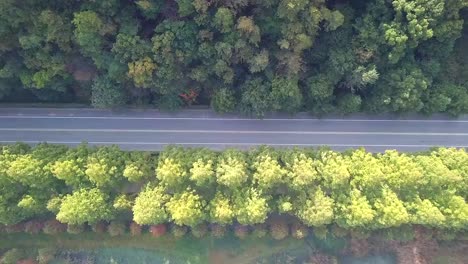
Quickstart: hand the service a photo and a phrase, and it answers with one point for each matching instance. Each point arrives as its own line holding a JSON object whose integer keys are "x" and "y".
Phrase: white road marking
{"x": 228, "y": 132}
{"x": 230, "y": 144}
{"x": 233, "y": 119}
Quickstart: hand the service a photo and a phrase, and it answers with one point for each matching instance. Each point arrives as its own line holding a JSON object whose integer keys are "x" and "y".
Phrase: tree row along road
{"x": 153, "y": 130}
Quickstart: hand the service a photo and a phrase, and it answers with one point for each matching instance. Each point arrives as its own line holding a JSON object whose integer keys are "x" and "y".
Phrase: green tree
{"x": 334, "y": 169}
{"x": 357, "y": 212}
{"x": 138, "y": 166}
{"x": 72, "y": 167}
{"x": 400, "y": 89}
{"x": 33, "y": 169}
{"x": 268, "y": 172}
{"x": 222, "y": 210}
{"x": 149, "y": 8}
{"x": 251, "y": 206}
{"x": 105, "y": 167}
{"x": 349, "y": 103}
{"x": 223, "y": 101}
{"x": 129, "y": 48}
{"x": 89, "y": 33}
{"x": 455, "y": 210}
{"x": 315, "y": 209}
{"x": 301, "y": 172}
{"x": 202, "y": 171}
{"x": 256, "y": 99}
{"x": 286, "y": 95}
{"x": 187, "y": 208}
{"x": 231, "y": 170}
{"x": 85, "y": 206}
{"x": 149, "y": 207}
{"x": 424, "y": 212}
{"x": 391, "y": 211}
{"x": 223, "y": 20}
{"x": 171, "y": 172}
{"x": 141, "y": 71}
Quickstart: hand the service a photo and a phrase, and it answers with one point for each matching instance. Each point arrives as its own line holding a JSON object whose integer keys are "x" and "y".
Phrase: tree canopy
{"x": 247, "y": 56}
{"x": 319, "y": 188}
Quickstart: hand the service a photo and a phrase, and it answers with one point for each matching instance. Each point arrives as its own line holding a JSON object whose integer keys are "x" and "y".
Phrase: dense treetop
{"x": 187, "y": 187}
{"x": 249, "y": 55}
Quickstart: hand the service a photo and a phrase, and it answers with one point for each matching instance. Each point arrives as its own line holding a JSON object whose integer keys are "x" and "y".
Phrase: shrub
{"x": 135, "y": 229}
{"x": 99, "y": 227}
{"x": 116, "y": 228}
{"x": 338, "y": 231}
{"x": 53, "y": 227}
{"x": 321, "y": 232}
{"x": 16, "y": 228}
{"x": 45, "y": 255}
{"x": 33, "y": 227}
{"x": 178, "y": 231}
{"x": 75, "y": 229}
{"x": 299, "y": 231}
{"x": 279, "y": 229}
{"x": 158, "y": 230}
{"x": 12, "y": 256}
{"x": 321, "y": 258}
{"x": 199, "y": 230}
{"x": 260, "y": 230}
{"x": 241, "y": 231}
{"x": 217, "y": 230}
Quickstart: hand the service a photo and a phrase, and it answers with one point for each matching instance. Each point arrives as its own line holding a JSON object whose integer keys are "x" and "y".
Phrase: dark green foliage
{"x": 223, "y": 101}
{"x": 319, "y": 56}
{"x": 106, "y": 93}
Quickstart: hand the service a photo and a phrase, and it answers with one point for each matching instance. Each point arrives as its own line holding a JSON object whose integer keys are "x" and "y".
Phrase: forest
{"x": 53, "y": 187}
{"x": 248, "y": 56}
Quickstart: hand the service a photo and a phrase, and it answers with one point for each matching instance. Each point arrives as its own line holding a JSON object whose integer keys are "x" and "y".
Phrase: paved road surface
{"x": 152, "y": 130}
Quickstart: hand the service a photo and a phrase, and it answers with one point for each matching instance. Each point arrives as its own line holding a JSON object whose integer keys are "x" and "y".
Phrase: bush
{"x": 33, "y": 227}
{"x": 200, "y": 230}
{"x": 260, "y": 230}
{"x": 218, "y": 231}
{"x": 178, "y": 231}
{"x": 116, "y": 228}
{"x": 75, "y": 229}
{"x": 135, "y": 229}
{"x": 321, "y": 232}
{"x": 16, "y": 228}
{"x": 158, "y": 230}
{"x": 12, "y": 256}
{"x": 339, "y": 232}
{"x": 53, "y": 227}
{"x": 279, "y": 229}
{"x": 46, "y": 255}
{"x": 299, "y": 231}
{"x": 321, "y": 258}
{"x": 402, "y": 233}
{"x": 99, "y": 227}
{"x": 241, "y": 231}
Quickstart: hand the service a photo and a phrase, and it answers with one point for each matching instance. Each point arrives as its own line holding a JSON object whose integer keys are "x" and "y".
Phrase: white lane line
{"x": 232, "y": 119}
{"x": 228, "y": 132}
{"x": 230, "y": 144}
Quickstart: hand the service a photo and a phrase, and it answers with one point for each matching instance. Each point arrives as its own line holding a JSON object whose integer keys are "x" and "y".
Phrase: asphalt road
{"x": 153, "y": 130}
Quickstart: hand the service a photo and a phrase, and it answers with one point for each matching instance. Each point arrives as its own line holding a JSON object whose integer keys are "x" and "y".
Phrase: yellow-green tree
{"x": 149, "y": 207}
